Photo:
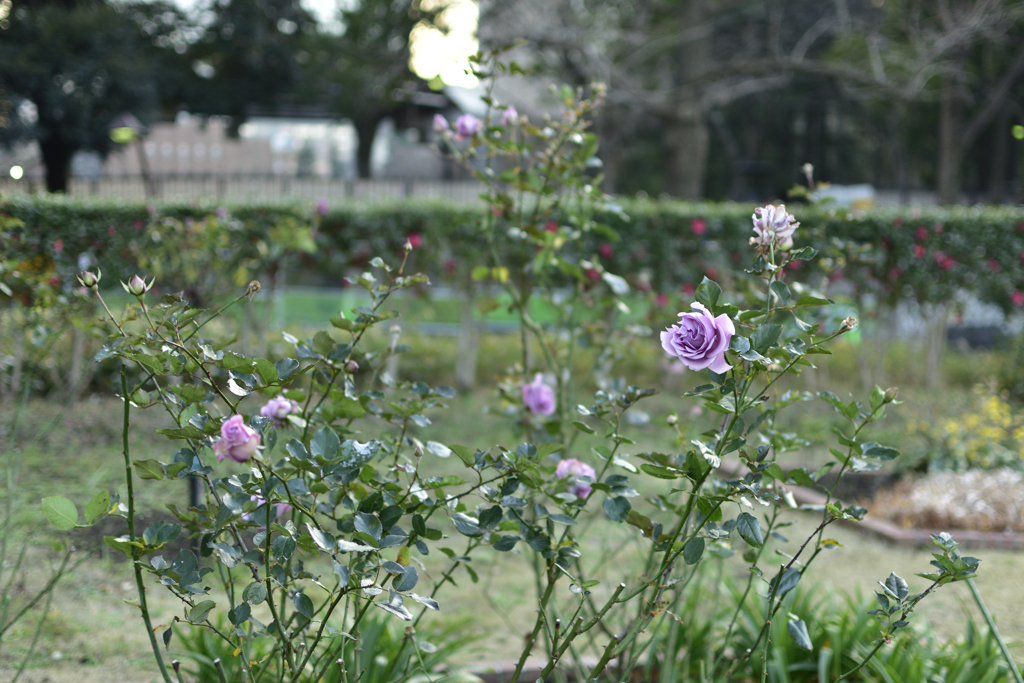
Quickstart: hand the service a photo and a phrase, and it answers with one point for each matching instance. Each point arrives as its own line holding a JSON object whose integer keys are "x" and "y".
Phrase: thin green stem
{"x": 994, "y": 631}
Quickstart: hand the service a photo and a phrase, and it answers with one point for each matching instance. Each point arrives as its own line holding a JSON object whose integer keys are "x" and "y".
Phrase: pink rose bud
{"x": 510, "y": 115}
{"x": 440, "y": 124}
{"x": 466, "y": 126}
{"x": 278, "y": 408}
{"x": 137, "y": 286}
{"x": 90, "y": 280}
{"x": 351, "y": 367}
{"x": 539, "y": 397}
{"x": 237, "y": 441}
{"x": 574, "y": 468}
{"x": 700, "y": 340}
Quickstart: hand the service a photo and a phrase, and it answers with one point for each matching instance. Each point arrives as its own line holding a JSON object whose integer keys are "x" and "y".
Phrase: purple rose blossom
{"x": 699, "y": 339}
{"x": 773, "y": 226}
{"x": 510, "y": 115}
{"x": 278, "y": 408}
{"x": 539, "y": 397}
{"x": 574, "y": 468}
{"x": 237, "y": 441}
{"x": 440, "y": 123}
{"x": 466, "y": 126}
{"x": 321, "y": 207}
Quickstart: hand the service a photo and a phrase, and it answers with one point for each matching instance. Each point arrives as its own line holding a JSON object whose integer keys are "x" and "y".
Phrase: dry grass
{"x": 979, "y": 500}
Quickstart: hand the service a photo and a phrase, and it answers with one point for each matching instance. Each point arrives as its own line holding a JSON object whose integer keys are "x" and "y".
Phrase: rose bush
{"x": 368, "y": 508}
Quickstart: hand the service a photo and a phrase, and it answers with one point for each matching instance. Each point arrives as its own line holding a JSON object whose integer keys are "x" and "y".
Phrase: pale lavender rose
{"x": 321, "y": 207}
{"x": 510, "y": 115}
{"x": 440, "y": 123}
{"x": 700, "y": 339}
{"x": 773, "y": 226}
{"x": 466, "y": 126}
{"x": 574, "y": 468}
{"x": 278, "y": 408}
{"x": 539, "y": 397}
{"x": 237, "y": 441}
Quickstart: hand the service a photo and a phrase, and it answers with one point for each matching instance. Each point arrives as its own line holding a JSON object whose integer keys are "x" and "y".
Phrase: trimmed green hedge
{"x": 663, "y": 247}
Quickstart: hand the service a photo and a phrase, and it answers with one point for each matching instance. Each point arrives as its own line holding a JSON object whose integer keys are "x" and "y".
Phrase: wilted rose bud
{"x": 890, "y": 394}
{"x": 90, "y": 280}
{"x": 137, "y": 286}
{"x": 351, "y": 367}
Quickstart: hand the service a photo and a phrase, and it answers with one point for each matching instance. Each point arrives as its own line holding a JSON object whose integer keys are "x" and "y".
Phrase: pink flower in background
{"x": 712, "y": 273}
{"x": 688, "y": 290}
{"x": 939, "y": 228}
{"x": 605, "y": 250}
{"x": 58, "y": 247}
{"x": 321, "y": 207}
{"x": 918, "y": 251}
{"x": 440, "y": 123}
{"x": 552, "y": 226}
{"x": 237, "y": 441}
{"x": 278, "y": 408}
{"x": 510, "y": 115}
{"x": 415, "y": 239}
{"x": 539, "y": 397}
{"x": 921, "y": 234}
{"x": 993, "y": 264}
{"x": 700, "y": 340}
{"x": 466, "y": 126}
{"x": 257, "y": 515}
{"x": 1017, "y": 298}
{"x": 661, "y": 300}
{"x": 574, "y": 468}
{"x": 111, "y": 230}
{"x": 794, "y": 265}
{"x": 698, "y": 226}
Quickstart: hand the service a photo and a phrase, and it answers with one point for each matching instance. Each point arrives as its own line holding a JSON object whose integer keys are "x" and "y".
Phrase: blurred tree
{"x": 246, "y": 55}
{"x": 72, "y": 66}
{"x": 364, "y": 73}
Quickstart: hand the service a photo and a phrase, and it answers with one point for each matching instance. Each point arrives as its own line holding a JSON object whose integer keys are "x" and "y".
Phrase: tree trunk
{"x": 469, "y": 341}
{"x": 366, "y": 131}
{"x": 1000, "y": 156}
{"x": 685, "y": 135}
{"x": 57, "y": 159}
{"x": 950, "y": 151}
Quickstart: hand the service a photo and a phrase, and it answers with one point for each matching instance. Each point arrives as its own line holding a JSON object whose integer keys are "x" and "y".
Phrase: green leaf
{"x": 61, "y": 512}
{"x": 708, "y": 293}
{"x": 660, "y": 472}
{"x": 286, "y": 367}
{"x": 764, "y": 336}
{"x": 616, "y": 508}
{"x": 546, "y": 449}
{"x": 198, "y": 614}
{"x": 99, "y": 505}
{"x": 255, "y": 593}
{"x": 466, "y": 525}
{"x": 266, "y": 371}
{"x": 781, "y": 290}
{"x": 303, "y": 605}
{"x": 798, "y": 632}
{"x": 466, "y": 454}
{"x": 149, "y": 469}
{"x": 693, "y": 550}
{"x": 749, "y": 529}
{"x": 323, "y": 540}
{"x": 324, "y": 444}
{"x": 800, "y": 477}
{"x": 583, "y": 427}
{"x": 407, "y": 581}
{"x": 368, "y": 524}
{"x": 808, "y": 300}
{"x": 186, "y": 432}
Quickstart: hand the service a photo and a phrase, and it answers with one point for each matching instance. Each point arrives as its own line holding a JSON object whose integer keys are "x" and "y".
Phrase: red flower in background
{"x": 661, "y": 300}
{"x": 918, "y": 251}
{"x": 551, "y": 226}
{"x": 698, "y": 226}
{"x": 688, "y": 289}
{"x": 415, "y": 240}
{"x": 58, "y": 247}
{"x": 111, "y": 230}
{"x": 993, "y": 264}
{"x": 711, "y": 273}
{"x": 921, "y": 234}
{"x": 605, "y": 250}
{"x": 1017, "y": 298}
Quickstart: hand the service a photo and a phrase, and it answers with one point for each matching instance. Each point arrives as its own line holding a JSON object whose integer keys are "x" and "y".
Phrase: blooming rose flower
{"x": 237, "y": 441}
{"x": 466, "y": 126}
{"x": 918, "y": 251}
{"x": 539, "y": 397}
{"x": 1017, "y": 298}
{"x": 698, "y": 226}
{"x": 440, "y": 123}
{"x": 773, "y": 226}
{"x": 510, "y": 115}
{"x": 574, "y": 468}
{"x": 699, "y": 339}
{"x": 278, "y": 408}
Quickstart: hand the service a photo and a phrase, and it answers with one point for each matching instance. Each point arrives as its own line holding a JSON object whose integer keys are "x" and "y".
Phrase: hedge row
{"x": 662, "y": 247}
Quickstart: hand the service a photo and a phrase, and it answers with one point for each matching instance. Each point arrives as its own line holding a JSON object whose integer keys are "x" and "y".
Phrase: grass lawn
{"x": 91, "y": 632}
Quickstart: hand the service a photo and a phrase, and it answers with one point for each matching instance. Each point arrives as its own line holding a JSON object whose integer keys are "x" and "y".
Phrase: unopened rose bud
{"x": 137, "y": 286}
{"x": 90, "y": 280}
{"x": 408, "y": 246}
{"x": 351, "y": 367}
{"x": 672, "y": 419}
{"x": 890, "y": 394}
{"x": 848, "y": 324}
